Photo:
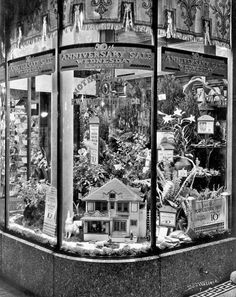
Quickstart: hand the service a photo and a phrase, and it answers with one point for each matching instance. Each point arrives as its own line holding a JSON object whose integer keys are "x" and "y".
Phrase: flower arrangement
{"x": 182, "y": 127}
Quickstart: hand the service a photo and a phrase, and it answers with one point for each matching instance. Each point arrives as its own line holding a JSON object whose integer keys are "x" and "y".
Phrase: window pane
{"x": 33, "y": 192}
{"x": 90, "y": 206}
{"x": 111, "y": 143}
{"x": 192, "y": 134}
{"x": 2, "y": 154}
{"x": 123, "y": 226}
{"x": 126, "y": 207}
{"x": 133, "y": 223}
{"x": 134, "y": 207}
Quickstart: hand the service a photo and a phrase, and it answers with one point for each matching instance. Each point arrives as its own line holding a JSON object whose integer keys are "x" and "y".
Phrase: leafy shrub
{"x": 32, "y": 195}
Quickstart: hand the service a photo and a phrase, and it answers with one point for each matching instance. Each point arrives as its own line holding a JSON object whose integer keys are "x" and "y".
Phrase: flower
{"x": 161, "y": 113}
{"x": 191, "y": 118}
{"x": 178, "y": 112}
{"x": 167, "y": 118}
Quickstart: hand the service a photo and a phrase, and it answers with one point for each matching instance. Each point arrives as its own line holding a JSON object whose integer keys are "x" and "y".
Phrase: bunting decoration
{"x": 128, "y": 19}
{"x": 32, "y": 24}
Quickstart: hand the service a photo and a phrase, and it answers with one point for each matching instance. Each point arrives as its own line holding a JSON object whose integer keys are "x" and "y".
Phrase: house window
{"x": 120, "y": 226}
{"x": 123, "y": 206}
{"x": 94, "y": 227}
{"x": 112, "y": 195}
{"x": 98, "y": 227}
{"x": 90, "y": 206}
{"x": 134, "y": 207}
{"x": 133, "y": 222}
{"x": 101, "y": 205}
{"x": 112, "y": 205}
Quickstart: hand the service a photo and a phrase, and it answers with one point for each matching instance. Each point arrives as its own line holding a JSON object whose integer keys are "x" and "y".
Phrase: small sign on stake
{"x": 94, "y": 139}
{"x": 50, "y": 213}
{"x": 167, "y": 216}
{"x": 205, "y": 125}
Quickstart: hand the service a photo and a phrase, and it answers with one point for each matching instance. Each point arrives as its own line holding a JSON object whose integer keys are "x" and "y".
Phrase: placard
{"x": 205, "y": 127}
{"x": 193, "y": 63}
{"x": 166, "y": 155}
{"x": 94, "y": 139}
{"x": 50, "y": 213}
{"x": 208, "y": 215}
{"x": 2, "y": 73}
{"x": 167, "y": 219}
{"x": 32, "y": 65}
{"x": 169, "y": 135}
{"x": 167, "y": 216}
{"x": 103, "y": 56}
{"x": 182, "y": 173}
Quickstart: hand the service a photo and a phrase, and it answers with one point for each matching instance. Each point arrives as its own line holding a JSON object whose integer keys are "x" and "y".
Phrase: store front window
{"x": 110, "y": 107}
{"x": 192, "y": 136}
{"x": 2, "y": 154}
{"x": 83, "y": 137}
{"x": 32, "y": 197}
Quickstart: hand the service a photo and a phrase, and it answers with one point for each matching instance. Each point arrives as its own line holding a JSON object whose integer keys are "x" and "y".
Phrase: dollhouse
{"x": 114, "y": 211}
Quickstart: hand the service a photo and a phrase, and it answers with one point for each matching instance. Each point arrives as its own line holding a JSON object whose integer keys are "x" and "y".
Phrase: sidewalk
{"x": 8, "y": 290}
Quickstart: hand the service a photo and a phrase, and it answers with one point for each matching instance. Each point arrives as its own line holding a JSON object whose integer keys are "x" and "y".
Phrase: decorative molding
{"x": 221, "y": 10}
{"x": 101, "y": 6}
{"x": 148, "y": 7}
{"x": 189, "y": 9}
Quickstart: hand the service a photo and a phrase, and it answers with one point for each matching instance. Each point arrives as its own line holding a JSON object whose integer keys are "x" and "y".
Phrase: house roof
{"x": 123, "y": 192}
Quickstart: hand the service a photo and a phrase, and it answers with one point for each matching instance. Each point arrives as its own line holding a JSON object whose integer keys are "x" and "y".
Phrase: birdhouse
{"x": 205, "y": 125}
{"x": 165, "y": 150}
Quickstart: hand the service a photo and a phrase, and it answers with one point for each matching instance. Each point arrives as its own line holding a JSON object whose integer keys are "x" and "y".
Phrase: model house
{"x": 114, "y": 211}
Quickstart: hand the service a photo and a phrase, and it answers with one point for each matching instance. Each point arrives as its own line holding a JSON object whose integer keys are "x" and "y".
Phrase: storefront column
{"x": 233, "y": 89}
{"x": 67, "y": 84}
{"x": 54, "y": 128}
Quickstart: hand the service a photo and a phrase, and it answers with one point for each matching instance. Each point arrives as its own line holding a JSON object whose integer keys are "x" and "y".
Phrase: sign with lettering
{"x": 32, "y": 65}
{"x": 102, "y": 56}
{"x": 182, "y": 173}
{"x": 50, "y": 213}
{"x": 167, "y": 216}
{"x": 186, "y": 62}
{"x": 205, "y": 125}
{"x": 2, "y": 73}
{"x": 208, "y": 215}
{"x": 94, "y": 139}
{"x": 166, "y": 155}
